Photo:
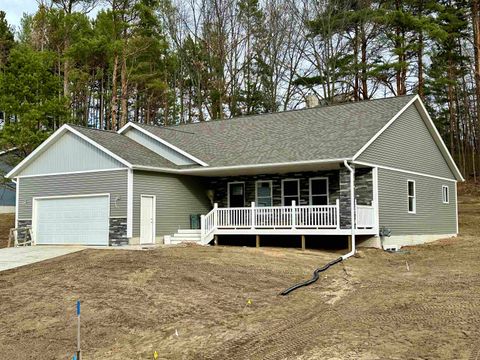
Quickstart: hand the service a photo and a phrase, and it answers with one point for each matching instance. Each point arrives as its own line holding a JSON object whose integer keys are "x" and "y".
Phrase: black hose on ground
{"x": 313, "y": 279}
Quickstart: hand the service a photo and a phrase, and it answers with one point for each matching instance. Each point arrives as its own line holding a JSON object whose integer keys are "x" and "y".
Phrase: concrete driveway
{"x": 11, "y": 258}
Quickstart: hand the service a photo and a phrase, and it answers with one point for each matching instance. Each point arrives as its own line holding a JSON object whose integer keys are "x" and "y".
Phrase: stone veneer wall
{"x": 118, "y": 232}
{"x": 219, "y": 185}
{"x": 363, "y": 192}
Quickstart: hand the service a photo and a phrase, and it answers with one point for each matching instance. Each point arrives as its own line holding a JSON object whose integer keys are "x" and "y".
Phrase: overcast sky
{"x": 16, "y": 8}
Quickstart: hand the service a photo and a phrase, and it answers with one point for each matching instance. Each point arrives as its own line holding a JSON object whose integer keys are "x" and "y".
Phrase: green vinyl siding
{"x": 103, "y": 182}
{"x": 177, "y": 197}
{"x": 432, "y": 215}
{"x": 408, "y": 145}
{"x": 70, "y": 153}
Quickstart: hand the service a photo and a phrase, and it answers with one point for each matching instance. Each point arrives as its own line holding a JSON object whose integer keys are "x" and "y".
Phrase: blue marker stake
{"x": 77, "y": 357}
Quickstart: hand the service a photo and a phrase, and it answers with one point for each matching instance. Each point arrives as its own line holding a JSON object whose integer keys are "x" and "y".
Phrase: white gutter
{"x": 352, "y": 208}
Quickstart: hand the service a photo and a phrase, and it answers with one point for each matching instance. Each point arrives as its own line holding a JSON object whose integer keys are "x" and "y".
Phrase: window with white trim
{"x": 290, "y": 191}
{"x": 264, "y": 193}
{"x": 445, "y": 194}
{"x": 319, "y": 191}
{"x": 412, "y": 197}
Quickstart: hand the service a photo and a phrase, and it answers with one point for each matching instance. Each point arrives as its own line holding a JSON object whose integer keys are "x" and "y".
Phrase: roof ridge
{"x": 249, "y": 116}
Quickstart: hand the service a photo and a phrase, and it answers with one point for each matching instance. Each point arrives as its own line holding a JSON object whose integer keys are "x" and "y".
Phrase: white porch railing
{"x": 365, "y": 217}
{"x": 295, "y": 217}
{"x": 271, "y": 217}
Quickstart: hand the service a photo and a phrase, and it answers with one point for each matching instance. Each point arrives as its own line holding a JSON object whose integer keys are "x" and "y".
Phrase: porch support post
{"x": 202, "y": 225}
{"x": 375, "y": 200}
{"x": 303, "y": 242}
{"x": 293, "y": 215}
{"x": 215, "y": 240}
{"x": 257, "y": 241}
{"x": 349, "y": 238}
{"x": 252, "y": 222}
{"x": 337, "y": 202}
{"x": 215, "y": 222}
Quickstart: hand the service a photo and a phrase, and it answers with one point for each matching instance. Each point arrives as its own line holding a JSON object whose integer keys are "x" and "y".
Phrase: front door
{"x": 147, "y": 219}
{"x": 236, "y": 194}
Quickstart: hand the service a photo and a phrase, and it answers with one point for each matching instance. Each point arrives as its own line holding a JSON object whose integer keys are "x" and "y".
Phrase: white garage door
{"x": 72, "y": 220}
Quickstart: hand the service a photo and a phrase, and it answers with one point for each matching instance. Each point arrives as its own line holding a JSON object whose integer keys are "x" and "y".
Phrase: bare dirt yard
{"x": 193, "y": 303}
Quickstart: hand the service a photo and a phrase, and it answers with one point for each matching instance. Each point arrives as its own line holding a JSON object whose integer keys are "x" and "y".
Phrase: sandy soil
{"x": 7, "y": 221}
{"x": 192, "y": 303}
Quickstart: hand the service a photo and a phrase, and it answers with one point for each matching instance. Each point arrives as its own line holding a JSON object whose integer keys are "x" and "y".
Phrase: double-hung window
{"x": 319, "y": 191}
{"x": 412, "y": 197}
{"x": 445, "y": 194}
{"x": 264, "y": 193}
{"x": 290, "y": 191}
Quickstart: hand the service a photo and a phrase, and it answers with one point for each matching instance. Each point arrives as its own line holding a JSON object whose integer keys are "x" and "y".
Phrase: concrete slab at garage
{"x": 11, "y": 258}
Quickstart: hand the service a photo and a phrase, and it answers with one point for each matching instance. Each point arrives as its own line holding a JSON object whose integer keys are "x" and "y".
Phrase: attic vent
{"x": 312, "y": 101}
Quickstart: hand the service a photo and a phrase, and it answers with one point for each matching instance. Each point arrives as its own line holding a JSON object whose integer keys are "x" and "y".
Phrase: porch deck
{"x": 285, "y": 220}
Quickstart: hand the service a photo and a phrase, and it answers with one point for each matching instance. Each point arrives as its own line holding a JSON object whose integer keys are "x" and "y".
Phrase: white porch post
{"x": 252, "y": 222}
{"x": 337, "y": 203}
{"x": 202, "y": 225}
{"x": 215, "y": 215}
{"x": 293, "y": 215}
{"x": 376, "y": 211}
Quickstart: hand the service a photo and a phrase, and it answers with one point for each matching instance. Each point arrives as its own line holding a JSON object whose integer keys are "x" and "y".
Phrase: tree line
{"x": 169, "y": 62}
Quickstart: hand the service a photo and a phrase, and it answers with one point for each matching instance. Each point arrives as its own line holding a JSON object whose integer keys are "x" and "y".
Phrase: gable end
{"x": 408, "y": 144}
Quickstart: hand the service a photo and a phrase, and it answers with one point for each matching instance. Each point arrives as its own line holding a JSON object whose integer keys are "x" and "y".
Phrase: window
{"x": 290, "y": 191}
{"x": 319, "y": 191}
{"x": 445, "y": 194}
{"x": 412, "y": 198}
{"x": 264, "y": 193}
{"x": 236, "y": 194}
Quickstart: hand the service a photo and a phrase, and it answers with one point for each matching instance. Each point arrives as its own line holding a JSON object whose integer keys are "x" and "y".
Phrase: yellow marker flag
{"x": 249, "y": 302}
{"x": 155, "y": 355}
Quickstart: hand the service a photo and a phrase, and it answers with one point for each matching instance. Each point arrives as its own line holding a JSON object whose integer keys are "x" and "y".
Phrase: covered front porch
{"x": 301, "y": 203}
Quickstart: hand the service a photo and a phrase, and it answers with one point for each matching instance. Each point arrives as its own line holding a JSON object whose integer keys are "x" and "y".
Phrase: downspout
{"x": 352, "y": 208}
{"x": 343, "y": 257}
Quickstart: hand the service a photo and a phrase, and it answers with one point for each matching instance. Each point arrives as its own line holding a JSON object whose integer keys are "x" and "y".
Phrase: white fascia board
{"x": 439, "y": 141}
{"x": 64, "y": 128}
{"x": 207, "y": 170}
{"x": 385, "y": 127}
{"x": 160, "y": 140}
{"x": 34, "y": 153}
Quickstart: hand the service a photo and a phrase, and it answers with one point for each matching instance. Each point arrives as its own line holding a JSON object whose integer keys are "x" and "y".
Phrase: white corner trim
{"x": 164, "y": 142}
{"x": 64, "y": 128}
{"x": 17, "y": 201}
{"x": 376, "y": 199}
{"x": 402, "y": 171}
{"x": 385, "y": 127}
{"x": 130, "y": 203}
{"x": 438, "y": 140}
{"x": 456, "y": 208}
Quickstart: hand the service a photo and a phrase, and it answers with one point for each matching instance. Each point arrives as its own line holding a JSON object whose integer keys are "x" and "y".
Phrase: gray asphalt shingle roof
{"x": 126, "y": 148}
{"x": 330, "y": 132}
